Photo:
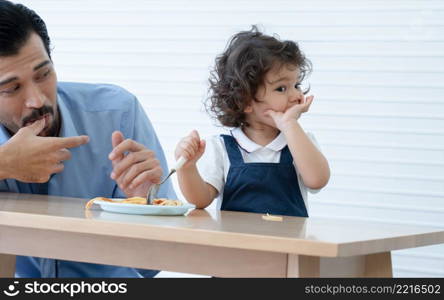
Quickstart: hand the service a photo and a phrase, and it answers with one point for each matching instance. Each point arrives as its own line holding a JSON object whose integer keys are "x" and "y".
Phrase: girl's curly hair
{"x": 241, "y": 69}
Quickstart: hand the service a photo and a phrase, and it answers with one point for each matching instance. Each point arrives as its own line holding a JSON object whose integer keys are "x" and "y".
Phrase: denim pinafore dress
{"x": 262, "y": 187}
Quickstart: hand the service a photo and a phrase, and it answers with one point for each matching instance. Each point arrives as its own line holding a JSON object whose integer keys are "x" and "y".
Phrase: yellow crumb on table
{"x": 269, "y": 217}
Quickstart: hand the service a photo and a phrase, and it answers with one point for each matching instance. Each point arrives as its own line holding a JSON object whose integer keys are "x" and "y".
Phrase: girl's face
{"x": 280, "y": 91}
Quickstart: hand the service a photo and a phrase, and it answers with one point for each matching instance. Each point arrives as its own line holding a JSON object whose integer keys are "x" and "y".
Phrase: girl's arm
{"x": 310, "y": 162}
{"x": 194, "y": 188}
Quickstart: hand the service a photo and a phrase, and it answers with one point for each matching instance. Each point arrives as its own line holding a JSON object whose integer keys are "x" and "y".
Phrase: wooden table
{"x": 214, "y": 243}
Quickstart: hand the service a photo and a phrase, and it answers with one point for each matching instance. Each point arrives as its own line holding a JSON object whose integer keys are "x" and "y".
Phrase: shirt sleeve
{"x": 136, "y": 125}
{"x": 211, "y": 164}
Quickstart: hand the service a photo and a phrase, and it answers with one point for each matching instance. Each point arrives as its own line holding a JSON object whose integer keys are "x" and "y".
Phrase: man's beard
{"x": 53, "y": 129}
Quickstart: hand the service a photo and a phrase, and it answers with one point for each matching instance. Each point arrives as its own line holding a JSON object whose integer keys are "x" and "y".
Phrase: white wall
{"x": 378, "y": 71}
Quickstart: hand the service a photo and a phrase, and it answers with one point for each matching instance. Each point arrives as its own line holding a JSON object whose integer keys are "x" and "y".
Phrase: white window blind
{"x": 378, "y": 112}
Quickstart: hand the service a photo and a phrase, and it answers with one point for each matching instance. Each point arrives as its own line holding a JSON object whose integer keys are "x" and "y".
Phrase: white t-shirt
{"x": 214, "y": 164}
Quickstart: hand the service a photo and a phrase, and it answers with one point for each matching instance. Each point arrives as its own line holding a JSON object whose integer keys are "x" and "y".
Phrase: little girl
{"x": 268, "y": 162}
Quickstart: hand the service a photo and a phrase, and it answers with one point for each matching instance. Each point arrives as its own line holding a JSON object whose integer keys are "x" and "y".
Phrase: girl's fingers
{"x": 187, "y": 154}
{"x": 194, "y": 138}
{"x": 202, "y": 147}
{"x": 190, "y": 146}
{"x": 196, "y": 143}
{"x": 194, "y": 134}
{"x": 190, "y": 141}
{"x": 309, "y": 101}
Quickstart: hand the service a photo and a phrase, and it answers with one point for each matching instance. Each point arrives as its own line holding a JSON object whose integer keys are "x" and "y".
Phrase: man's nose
{"x": 34, "y": 97}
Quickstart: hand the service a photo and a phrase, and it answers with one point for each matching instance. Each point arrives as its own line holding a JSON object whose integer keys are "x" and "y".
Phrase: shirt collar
{"x": 248, "y": 145}
{"x": 67, "y": 126}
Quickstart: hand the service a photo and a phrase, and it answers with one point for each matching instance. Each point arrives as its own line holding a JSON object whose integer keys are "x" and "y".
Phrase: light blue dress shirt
{"x": 96, "y": 111}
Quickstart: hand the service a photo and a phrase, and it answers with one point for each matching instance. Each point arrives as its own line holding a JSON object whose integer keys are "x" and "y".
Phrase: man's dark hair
{"x": 241, "y": 69}
{"x": 17, "y": 22}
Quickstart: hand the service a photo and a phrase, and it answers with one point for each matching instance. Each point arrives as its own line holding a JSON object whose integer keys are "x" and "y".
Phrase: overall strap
{"x": 286, "y": 157}
{"x": 234, "y": 154}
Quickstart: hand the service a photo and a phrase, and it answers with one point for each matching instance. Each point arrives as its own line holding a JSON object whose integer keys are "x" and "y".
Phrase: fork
{"x": 152, "y": 191}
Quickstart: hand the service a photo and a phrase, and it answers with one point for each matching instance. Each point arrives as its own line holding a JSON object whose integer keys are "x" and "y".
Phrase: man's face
{"x": 28, "y": 89}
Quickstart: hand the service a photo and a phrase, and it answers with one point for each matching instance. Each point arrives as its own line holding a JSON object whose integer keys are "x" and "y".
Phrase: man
{"x": 68, "y": 139}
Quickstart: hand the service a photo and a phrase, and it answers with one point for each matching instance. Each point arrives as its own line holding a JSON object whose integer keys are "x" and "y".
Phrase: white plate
{"x": 141, "y": 209}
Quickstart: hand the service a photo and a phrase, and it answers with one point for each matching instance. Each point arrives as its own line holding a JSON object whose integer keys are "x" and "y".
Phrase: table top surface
{"x": 306, "y": 236}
